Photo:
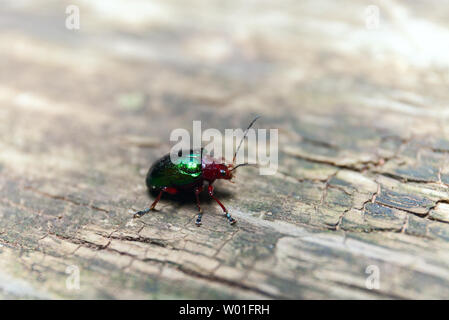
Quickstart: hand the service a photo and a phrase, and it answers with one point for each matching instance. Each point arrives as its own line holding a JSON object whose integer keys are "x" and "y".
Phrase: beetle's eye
{"x": 223, "y": 173}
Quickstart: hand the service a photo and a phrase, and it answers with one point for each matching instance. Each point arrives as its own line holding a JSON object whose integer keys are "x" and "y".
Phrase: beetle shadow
{"x": 188, "y": 197}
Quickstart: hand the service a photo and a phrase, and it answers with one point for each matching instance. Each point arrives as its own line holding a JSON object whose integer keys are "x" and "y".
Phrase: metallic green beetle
{"x": 190, "y": 171}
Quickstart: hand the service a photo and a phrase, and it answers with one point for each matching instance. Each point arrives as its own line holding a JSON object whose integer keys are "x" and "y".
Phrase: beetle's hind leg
{"x": 138, "y": 214}
{"x": 165, "y": 189}
{"x": 200, "y": 211}
{"x": 146, "y": 210}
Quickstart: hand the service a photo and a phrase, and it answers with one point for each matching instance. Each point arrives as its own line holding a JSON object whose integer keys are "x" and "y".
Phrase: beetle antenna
{"x": 244, "y": 136}
{"x": 244, "y": 164}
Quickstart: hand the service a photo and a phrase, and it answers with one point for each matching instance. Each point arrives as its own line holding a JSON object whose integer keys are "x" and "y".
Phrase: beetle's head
{"x": 224, "y": 171}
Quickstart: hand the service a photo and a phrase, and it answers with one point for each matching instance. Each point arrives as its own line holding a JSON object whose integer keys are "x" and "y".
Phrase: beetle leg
{"x": 141, "y": 213}
{"x": 138, "y": 214}
{"x": 228, "y": 215}
{"x": 200, "y": 211}
{"x": 156, "y": 200}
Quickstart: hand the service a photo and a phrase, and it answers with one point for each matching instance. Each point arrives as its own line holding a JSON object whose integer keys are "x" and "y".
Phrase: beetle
{"x": 190, "y": 172}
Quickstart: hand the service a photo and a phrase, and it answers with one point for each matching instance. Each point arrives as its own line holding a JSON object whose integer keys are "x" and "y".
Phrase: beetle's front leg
{"x": 228, "y": 216}
{"x": 200, "y": 211}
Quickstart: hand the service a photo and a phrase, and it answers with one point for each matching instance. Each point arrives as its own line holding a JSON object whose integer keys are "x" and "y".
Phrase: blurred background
{"x": 91, "y": 89}
{"x": 317, "y": 70}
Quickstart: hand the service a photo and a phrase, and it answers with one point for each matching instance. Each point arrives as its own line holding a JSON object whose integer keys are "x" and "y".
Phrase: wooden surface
{"x": 363, "y": 145}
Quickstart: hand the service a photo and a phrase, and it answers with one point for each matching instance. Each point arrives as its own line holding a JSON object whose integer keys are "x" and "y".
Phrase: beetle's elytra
{"x": 190, "y": 171}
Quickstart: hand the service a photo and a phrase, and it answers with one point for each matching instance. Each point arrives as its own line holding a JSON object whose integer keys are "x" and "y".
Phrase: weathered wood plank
{"x": 363, "y": 149}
